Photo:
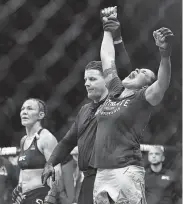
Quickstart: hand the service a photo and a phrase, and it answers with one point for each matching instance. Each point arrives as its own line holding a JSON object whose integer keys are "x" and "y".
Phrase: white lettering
{"x": 110, "y": 107}
{"x": 126, "y": 103}
{"x": 39, "y": 201}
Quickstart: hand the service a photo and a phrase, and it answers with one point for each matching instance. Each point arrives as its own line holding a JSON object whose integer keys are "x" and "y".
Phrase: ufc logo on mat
{"x": 39, "y": 201}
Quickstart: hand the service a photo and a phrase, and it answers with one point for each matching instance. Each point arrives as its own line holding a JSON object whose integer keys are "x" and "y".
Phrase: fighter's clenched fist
{"x": 163, "y": 37}
{"x": 111, "y": 23}
{"x": 110, "y": 11}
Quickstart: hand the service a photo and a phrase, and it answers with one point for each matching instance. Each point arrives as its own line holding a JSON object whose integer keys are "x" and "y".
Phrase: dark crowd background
{"x": 46, "y": 44}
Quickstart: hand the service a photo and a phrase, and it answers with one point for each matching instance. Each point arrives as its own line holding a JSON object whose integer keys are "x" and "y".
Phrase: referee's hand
{"x": 47, "y": 172}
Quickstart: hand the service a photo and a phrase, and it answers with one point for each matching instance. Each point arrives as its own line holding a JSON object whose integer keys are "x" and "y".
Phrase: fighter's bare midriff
{"x": 31, "y": 179}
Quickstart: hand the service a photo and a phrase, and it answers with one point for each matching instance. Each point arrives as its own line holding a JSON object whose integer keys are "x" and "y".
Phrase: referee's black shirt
{"x": 83, "y": 130}
{"x": 82, "y": 134}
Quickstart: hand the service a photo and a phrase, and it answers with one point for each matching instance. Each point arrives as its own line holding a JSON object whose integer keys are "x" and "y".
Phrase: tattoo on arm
{"x": 111, "y": 72}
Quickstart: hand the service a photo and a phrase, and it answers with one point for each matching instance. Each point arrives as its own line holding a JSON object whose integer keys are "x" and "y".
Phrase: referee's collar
{"x": 101, "y": 101}
{"x": 96, "y": 105}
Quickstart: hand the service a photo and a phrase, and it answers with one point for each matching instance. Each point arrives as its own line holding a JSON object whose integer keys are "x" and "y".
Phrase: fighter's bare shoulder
{"x": 46, "y": 137}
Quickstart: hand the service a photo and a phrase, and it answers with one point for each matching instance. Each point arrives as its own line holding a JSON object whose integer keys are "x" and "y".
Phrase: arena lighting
{"x": 6, "y": 151}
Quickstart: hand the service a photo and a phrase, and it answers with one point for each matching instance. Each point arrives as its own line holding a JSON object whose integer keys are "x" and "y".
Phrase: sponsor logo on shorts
{"x": 39, "y": 201}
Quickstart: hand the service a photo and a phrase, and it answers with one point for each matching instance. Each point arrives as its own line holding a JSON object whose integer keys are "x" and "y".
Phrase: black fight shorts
{"x": 36, "y": 196}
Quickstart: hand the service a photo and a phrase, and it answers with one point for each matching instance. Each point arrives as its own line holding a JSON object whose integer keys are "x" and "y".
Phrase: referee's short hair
{"x": 95, "y": 65}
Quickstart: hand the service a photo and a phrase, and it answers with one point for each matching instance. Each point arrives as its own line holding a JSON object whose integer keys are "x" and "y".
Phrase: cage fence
{"x": 45, "y": 46}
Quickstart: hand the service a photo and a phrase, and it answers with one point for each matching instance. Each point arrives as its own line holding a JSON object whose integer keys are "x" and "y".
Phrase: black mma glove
{"x": 17, "y": 196}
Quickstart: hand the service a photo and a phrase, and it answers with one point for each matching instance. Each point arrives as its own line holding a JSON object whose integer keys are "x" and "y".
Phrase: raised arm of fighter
{"x": 154, "y": 93}
{"x": 107, "y": 52}
{"x": 122, "y": 59}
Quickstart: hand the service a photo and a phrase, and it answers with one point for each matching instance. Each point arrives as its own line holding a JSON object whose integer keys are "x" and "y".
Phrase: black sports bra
{"x": 31, "y": 158}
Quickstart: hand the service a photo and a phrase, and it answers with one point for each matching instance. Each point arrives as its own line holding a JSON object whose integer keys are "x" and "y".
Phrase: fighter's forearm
{"x": 107, "y": 55}
{"x": 107, "y": 52}
{"x": 122, "y": 59}
{"x": 164, "y": 72}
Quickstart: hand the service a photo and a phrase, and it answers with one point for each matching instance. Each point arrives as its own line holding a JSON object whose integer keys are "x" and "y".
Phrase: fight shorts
{"x": 36, "y": 196}
{"x": 120, "y": 186}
